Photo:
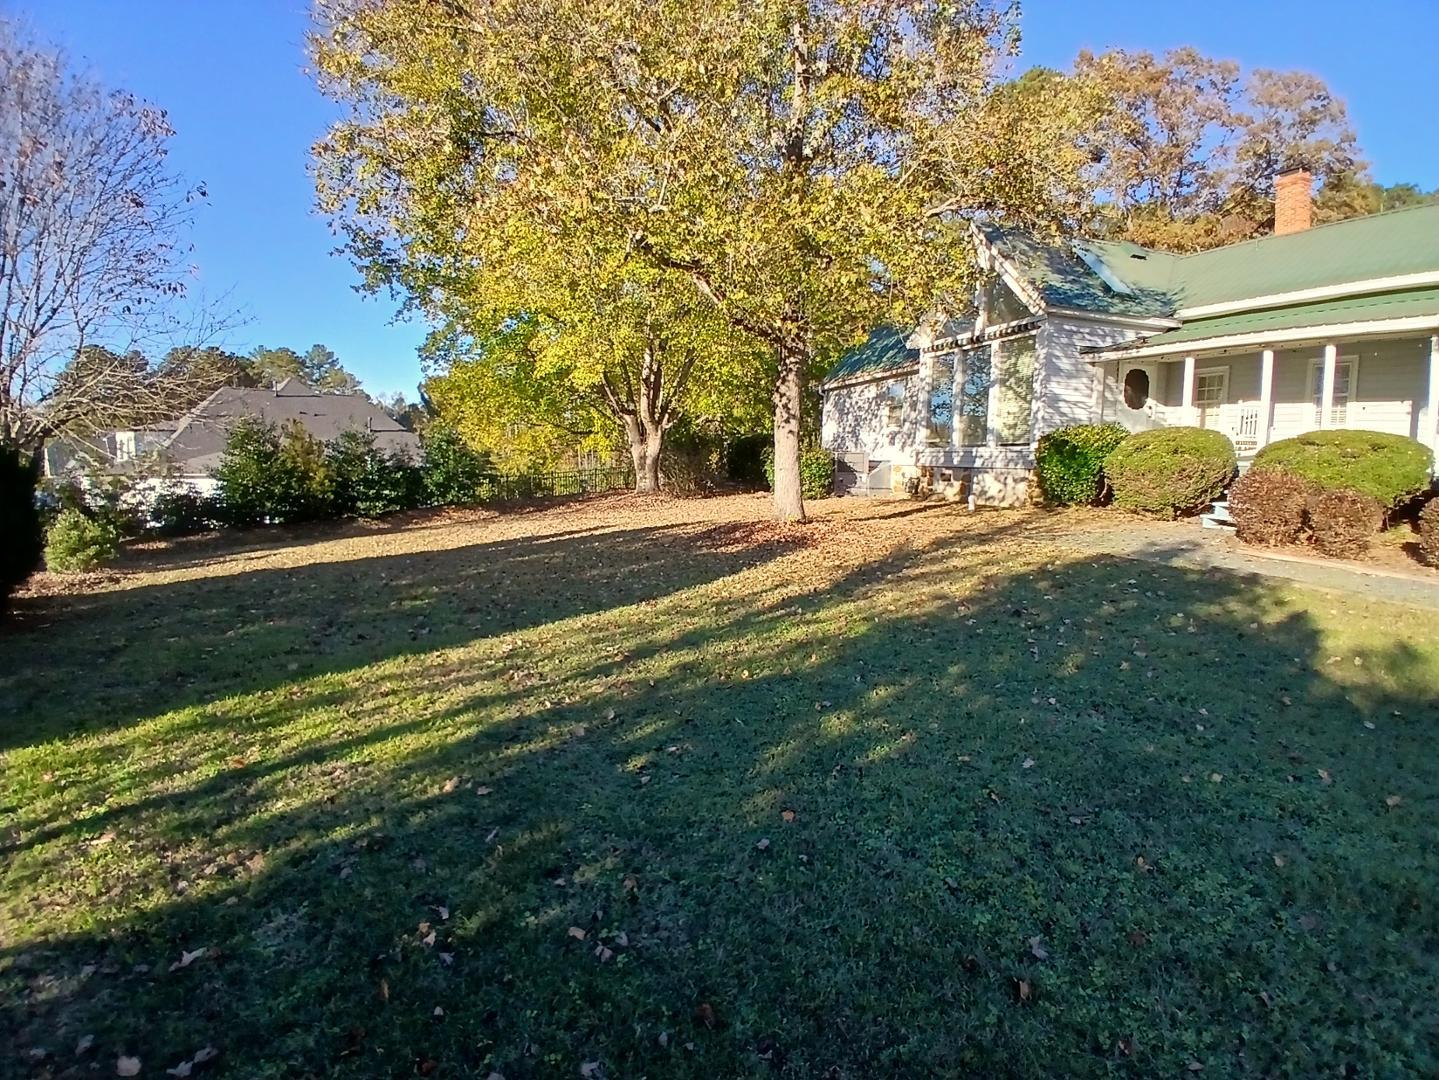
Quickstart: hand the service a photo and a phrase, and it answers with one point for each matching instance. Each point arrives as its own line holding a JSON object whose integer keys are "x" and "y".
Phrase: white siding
{"x": 853, "y": 419}
{"x": 1070, "y": 389}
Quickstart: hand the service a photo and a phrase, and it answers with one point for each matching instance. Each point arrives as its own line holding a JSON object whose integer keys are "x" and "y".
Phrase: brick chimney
{"x": 1293, "y": 201}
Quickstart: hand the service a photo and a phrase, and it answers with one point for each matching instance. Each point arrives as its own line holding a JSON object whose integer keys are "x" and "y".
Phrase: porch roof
{"x": 886, "y": 350}
{"x": 1407, "y": 309}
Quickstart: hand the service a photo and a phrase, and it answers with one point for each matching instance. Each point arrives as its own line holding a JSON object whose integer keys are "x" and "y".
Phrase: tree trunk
{"x": 788, "y": 403}
{"x": 646, "y": 442}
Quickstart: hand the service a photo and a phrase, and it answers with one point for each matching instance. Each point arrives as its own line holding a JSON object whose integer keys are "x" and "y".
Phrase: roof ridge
{"x": 1432, "y": 207}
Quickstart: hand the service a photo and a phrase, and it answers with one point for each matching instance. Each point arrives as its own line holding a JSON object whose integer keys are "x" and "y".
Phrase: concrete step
{"x": 1220, "y": 511}
{"x": 1213, "y": 521}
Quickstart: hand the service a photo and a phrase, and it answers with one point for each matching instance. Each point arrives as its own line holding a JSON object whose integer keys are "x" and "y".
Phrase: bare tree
{"x": 91, "y": 253}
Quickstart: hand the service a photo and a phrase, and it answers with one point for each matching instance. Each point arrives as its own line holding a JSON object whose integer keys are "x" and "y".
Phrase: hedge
{"x": 1390, "y": 468}
{"x": 1069, "y": 462}
{"x": 1344, "y": 522}
{"x": 1167, "y": 472}
{"x": 1429, "y": 533}
{"x": 1268, "y": 507}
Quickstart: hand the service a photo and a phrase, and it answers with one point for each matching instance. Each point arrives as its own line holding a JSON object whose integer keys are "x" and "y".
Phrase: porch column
{"x": 1326, "y": 395}
{"x": 1188, "y": 399}
{"x": 1266, "y": 397}
{"x": 1433, "y": 416}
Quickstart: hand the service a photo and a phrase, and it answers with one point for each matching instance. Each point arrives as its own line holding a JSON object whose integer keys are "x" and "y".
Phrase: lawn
{"x": 644, "y": 788}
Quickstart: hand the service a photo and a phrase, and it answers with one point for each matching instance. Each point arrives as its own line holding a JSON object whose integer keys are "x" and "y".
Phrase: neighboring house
{"x": 190, "y": 448}
{"x": 1335, "y": 326}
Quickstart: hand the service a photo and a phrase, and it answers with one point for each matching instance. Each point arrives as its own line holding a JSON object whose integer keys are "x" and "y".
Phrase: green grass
{"x": 1051, "y": 814}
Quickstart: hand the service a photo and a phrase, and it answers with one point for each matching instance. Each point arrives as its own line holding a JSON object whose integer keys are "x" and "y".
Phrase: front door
{"x": 1138, "y": 388}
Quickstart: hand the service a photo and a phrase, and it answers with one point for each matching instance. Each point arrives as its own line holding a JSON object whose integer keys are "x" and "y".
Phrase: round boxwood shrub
{"x": 1170, "y": 471}
{"x": 1390, "y": 468}
{"x": 1069, "y": 462}
{"x": 816, "y": 472}
{"x": 1429, "y": 533}
{"x": 77, "y": 542}
{"x": 1268, "y": 506}
{"x": 1344, "y": 522}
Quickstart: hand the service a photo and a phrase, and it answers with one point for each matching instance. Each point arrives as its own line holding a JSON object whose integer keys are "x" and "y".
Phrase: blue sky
{"x": 231, "y": 73}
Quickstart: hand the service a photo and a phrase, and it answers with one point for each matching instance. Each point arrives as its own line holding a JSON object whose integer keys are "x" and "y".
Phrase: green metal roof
{"x": 884, "y": 350}
{"x": 1391, "y": 244}
{"x": 1063, "y": 279}
{"x": 1409, "y": 303}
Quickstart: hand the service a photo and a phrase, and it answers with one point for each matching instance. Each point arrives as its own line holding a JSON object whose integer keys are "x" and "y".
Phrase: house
{"x": 189, "y": 449}
{"x": 1333, "y": 326}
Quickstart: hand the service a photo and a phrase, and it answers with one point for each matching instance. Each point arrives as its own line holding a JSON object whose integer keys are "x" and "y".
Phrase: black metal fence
{"x": 499, "y": 487}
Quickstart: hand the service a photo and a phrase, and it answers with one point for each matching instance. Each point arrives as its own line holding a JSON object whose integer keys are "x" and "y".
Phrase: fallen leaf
{"x": 1023, "y": 991}
{"x": 1392, "y": 801}
{"x": 450, "y": 784}
{"x": 1324, "y": 775}
{"x": 442, "y": 911}
{"x": 482, "y": 790}
{"x": 590, "y": 1070}
{"x": 428, "y": 940}
{"x": 705, "y": 1014}
{"x": 181, "y": 1070}
{"x": 576, "y": 933}
{"x": 1195, "y": 1066}
{"x": 604, "y": 954}
{"x": 127, "y": 1066}
{"x": 631, "y": 883}
{"x": 1036, "y": 947}
{"x": 1027, "y": 763}
{"x": 788, "y": 815}
{"x": 439, "y": 1011}
{"x": 1279, "y": 860}
{"x": 763, "y": 844}
{"x": 83, "y": 1046}
{"x": 205, "y": 1054}
{"x": 1215, "y": 777}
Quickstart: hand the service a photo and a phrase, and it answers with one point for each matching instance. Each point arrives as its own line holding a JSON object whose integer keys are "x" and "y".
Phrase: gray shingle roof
{"x": 199, "y": 439}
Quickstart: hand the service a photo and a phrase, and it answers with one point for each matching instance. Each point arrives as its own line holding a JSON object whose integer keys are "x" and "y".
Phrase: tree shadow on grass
{"x": 960, "y": 813}
{"x": 127, "y": 654}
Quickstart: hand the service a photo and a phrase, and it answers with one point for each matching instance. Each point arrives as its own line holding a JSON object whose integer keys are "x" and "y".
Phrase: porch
{"x": 1258, "y": 397}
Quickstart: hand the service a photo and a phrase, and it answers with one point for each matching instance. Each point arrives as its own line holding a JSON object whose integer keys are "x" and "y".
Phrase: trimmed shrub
{"x": 1344, "y": 522}
{"x": 368, "y": 482}
{"x": 816, "y": 472}
{"x": 1390, "y": 468}
{"x": 452, "y": 472}
{"x": 1429, "y": 533}
{"x": 1170, "y": 471}
{"x": 21, "y": 538}
{"x": 77, "y": 543}
{"x": 183, "y": 512}
{"x": 1268, "y": 506}
{"x": 1070, "y": 461}
{"x": 266, "y": 477}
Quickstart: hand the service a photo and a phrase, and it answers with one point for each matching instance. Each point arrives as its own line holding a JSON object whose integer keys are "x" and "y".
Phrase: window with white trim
{"x": 1014, "y": 397}
{"x": 1211, "y": 391}
{"x": 894, "y": 403}
{"x": 941, "y": 400}
{"x": 1345, "y": 369}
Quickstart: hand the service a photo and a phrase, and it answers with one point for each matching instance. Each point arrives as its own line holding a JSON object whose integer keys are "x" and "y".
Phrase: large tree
{"x": 92, "y": 264}
{"x": 1187, "y": 147}
{"x": 317, "y": 367}
{"x": 798, "y": 163}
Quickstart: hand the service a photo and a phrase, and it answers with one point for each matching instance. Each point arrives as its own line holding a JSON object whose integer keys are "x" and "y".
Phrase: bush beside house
{"x": 1390, "y": 468}
{"x": 816, "y": 472}
{"x": 1429, "y": 533}
{"x": 1344, "y": 522}
{"x": 1168, "y": 472}
{"x": 1269, "y": 505}
{"x": 1069, "y": 462}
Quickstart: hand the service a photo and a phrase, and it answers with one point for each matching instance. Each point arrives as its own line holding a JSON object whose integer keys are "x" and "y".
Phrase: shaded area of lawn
{"x": 682, "y": 805}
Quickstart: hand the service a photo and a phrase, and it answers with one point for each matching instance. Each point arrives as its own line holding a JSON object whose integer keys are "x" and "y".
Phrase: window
{"x": 972, "y": 406}
{"x": 1001, "y": 305}
{"x": 1211, "y": 390}
{"x": 894, "y": 403}
{"x": 941, "y": 400}
{"x": 1014, "y": 374}
{"x": 1344, "y": 372}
